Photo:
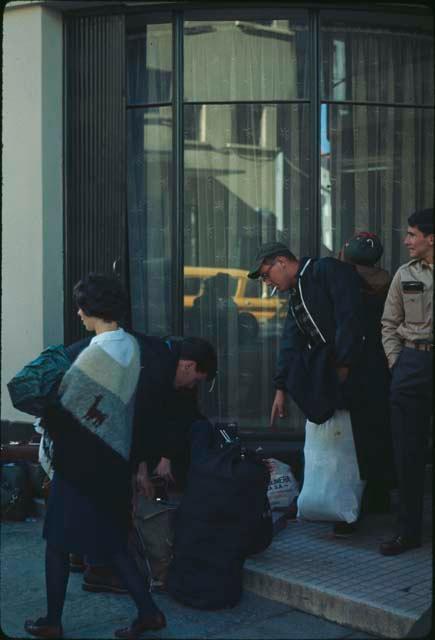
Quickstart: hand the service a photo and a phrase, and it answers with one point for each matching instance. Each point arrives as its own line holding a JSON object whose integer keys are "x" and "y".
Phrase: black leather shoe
{"x": 398, "y": 545}
{"x": 148, "y": 623}
{"x": 41, "y": 629}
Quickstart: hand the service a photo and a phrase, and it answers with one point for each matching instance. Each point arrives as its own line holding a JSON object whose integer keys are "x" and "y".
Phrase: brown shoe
{"x": 41, "y": 629}
{"x": 148, "y": 623}
{"x": 398, "y": 545}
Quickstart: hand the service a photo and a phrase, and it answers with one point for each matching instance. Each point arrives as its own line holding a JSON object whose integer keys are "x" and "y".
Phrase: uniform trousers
{"x": 411, "y": 409}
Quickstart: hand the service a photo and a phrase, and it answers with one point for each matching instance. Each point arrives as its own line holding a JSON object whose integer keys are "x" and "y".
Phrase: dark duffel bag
{"x": 221, "y": 520}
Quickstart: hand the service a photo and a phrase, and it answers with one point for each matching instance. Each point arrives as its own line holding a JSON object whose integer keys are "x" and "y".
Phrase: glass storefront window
{"x": 238, "y": 196}
{"x": 365, "y": 58}
{"x": 245, "y": 59}
{"x": 377, "y": 168}
{"x": 149, "y": 207}
{"x": 249, "y": 147}
{"x": 149, "y": 65}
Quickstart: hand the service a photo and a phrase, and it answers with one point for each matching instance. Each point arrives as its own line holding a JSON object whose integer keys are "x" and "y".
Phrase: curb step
{"x": 347, "y": 581}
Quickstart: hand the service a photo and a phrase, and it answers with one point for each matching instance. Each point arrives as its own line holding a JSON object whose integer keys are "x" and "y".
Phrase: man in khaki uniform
{"x": 407, "y": 337}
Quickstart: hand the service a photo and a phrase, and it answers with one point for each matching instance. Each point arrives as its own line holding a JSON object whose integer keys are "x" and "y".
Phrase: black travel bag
{"x": 223, "y": 517}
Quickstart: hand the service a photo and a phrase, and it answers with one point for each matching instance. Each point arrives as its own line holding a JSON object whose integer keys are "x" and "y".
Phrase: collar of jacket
{"x": 303, "y": 263}
{"x": 419, "y": 263}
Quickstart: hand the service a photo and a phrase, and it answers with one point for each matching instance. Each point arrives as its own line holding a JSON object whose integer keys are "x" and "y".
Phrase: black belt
{"x": 420, "y": 346}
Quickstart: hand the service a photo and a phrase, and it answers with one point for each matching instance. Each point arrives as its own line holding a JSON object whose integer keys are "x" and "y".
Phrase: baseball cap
{"x": 267, "y": 250}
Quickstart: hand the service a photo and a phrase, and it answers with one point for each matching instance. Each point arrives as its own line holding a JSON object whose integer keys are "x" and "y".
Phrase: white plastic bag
{"x": 332, "y": 487}
{"x": 283, "y": 487}
{"x": 45, "y": 445}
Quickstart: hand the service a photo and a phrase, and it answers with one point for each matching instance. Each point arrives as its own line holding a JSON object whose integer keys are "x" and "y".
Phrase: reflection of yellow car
{"x": 250, "y": 296}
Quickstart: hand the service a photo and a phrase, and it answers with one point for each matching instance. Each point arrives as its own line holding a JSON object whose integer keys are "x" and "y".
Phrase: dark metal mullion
{"x": 226, "y": 102}
{"x": 363, "y": 103}
{"x": 151, "y": 105}
{"x": 218, "y": 102}
{"x": 177, "y": 235}
{"x": 314, "y": 19}
{"x": 66, "y": 36}
{"x": 126, "y": 256}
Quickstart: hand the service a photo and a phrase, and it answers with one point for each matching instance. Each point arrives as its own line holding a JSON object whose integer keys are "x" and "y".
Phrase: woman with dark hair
{"x": 91, "y": 427}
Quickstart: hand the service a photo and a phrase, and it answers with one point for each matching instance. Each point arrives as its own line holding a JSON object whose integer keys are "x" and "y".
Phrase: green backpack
{"x": 36, "y": 385}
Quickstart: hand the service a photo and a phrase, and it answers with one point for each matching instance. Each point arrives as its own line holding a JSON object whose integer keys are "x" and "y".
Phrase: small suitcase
{"x": 151, "y": 540}
{"x": 20, "y": 451}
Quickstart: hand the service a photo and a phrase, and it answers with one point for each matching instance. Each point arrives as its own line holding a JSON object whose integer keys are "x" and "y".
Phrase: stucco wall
{"x": 32, "y": 243}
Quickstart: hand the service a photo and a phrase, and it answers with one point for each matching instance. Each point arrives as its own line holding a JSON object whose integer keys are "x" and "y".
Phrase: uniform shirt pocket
{"x": 414, "y": 306}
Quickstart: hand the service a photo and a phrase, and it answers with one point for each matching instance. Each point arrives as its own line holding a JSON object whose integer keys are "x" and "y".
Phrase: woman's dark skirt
{"x": 74, "y": 524}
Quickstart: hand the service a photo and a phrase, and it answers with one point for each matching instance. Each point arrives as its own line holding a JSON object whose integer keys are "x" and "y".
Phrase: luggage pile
{"x": 22, "y": 479}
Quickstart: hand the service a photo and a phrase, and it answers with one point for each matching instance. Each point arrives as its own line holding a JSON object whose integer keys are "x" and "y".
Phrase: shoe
{"x": 398, "y": 545}
{"x": 148, "y": 623}
{"x": 41, "y": 629}
{"x": 76, "y": 564}
{"x": 102, "y": 581}
{"x": 344, "y": 529}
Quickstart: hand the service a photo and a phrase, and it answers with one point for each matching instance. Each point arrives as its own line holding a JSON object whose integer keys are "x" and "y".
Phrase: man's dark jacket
{"x": 331, "y": 293}
{"x": 162, "y": 415}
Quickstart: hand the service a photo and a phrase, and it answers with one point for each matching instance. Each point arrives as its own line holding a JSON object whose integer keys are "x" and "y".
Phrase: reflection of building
{"x": 325, "y": 202}
{"x": 148, "y": 140}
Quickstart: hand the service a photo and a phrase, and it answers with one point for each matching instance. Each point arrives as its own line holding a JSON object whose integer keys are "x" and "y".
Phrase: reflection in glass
{"x": 149, "y": 65}
{"x": 246, "y": 60}
{"x": 377, "y": 171}
{"x": 149, "y": 136}
{"x": 366, "y": 62}
{"x": 237, "y": 196}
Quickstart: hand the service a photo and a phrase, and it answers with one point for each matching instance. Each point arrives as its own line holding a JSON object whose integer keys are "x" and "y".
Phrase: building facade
{"x": 165, "y": 141}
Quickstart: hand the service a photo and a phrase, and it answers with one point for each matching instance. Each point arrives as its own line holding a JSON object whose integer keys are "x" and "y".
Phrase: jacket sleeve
{"x": 393, "y": 316}
{"x": 344, "y": 287}
{"x": 291, "y": 342}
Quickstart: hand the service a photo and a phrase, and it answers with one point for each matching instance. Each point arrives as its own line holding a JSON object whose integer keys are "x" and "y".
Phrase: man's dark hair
{"x": 101, "y": 296}
{"x": 198, "y": 350}
{"x": 423, "y": 220}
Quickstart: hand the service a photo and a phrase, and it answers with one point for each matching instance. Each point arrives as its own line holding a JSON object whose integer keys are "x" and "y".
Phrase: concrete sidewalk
{"x": 347, "y": 581}
{"x": 307, "y": 585}
{"x": 97, "y": 615}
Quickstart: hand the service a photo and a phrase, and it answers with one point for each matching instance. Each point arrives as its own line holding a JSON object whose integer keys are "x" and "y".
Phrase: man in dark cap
{"x": 407, "y": 336}
{"x": 322, "y": 343}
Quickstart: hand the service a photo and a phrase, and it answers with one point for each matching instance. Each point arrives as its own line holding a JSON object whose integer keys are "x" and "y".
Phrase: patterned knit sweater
{"x": 91, "y": 427}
